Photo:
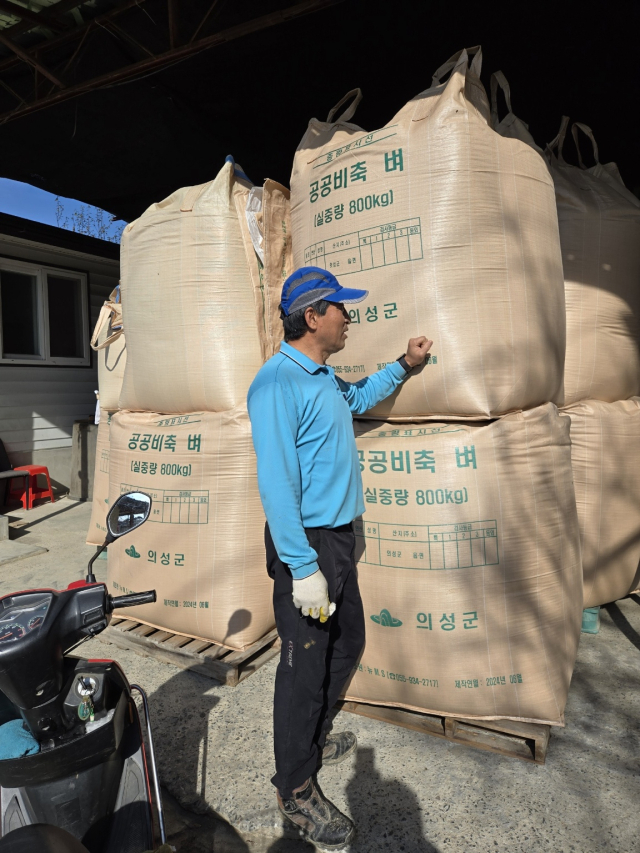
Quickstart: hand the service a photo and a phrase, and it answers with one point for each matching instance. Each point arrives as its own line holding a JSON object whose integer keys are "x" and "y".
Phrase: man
{"x": 311, "y": 490}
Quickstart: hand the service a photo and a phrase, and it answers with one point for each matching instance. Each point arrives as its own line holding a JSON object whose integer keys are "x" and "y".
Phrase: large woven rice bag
{"x": 599, "y": 221}
{"x": 203, "y": 546}
{"x": 193, "y": 311}
{"x": 605, "y": 457}
{"x": 100, "y": 501}
{"x": 109, "y": 344}
{"x": 469, "y": 567}
{"x": 453, "y": 230}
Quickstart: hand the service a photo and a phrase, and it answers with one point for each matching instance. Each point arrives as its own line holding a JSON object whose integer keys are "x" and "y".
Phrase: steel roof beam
{"x": 78, "y": 31}
{"x": 30, "y": 60}
{"x": 25, "y": 24}
{"x": 39, "y": 19}
{"x": 155, "y": 63}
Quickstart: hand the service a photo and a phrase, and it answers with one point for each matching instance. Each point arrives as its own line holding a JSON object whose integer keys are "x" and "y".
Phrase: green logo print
{"x": 132, "y": 552}
{"x": 386, "y": 620}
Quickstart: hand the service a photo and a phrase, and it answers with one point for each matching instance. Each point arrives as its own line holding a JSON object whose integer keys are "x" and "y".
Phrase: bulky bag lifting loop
{"x": 191, "y": 197}
{"x": 510, "y": 126}
{"x": 430, "y": 211}
{"x": 459, "y": 58}
{"x": 498, "y": 79}
{"x": 348, "y": 114}
{"x": 108, "y": 311}
{"x": 194, "y": 193}
{"x": 589, "y": 134}
{"x": 557, "y": 142}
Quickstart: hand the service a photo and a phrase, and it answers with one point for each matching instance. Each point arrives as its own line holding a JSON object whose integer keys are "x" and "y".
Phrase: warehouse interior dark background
{"x": 123, "y": 146}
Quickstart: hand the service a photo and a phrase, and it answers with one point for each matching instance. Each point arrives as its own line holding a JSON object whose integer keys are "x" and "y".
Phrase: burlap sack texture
{"x": 109, "y": 343}
{"x": 469, "y": 567}
{"x": 202, "y": 548}
{"x": 605, "y": 457}
{"x": 453, "y": 230}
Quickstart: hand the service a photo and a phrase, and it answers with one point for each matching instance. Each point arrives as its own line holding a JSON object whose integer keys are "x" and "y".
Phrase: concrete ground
{"x": 406, "y": 791}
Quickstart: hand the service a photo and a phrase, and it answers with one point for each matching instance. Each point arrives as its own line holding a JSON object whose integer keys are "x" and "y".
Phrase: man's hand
{"x": 417, "y": 350}
{"x": 311, "y": 595}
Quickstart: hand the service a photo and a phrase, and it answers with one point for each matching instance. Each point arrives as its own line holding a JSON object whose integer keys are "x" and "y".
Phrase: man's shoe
{"x": 338, "y": 746}
{"x": 317, "y": 819}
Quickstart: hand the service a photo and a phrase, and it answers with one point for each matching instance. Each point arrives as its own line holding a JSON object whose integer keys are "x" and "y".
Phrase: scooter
{"x": 85, "y": 786}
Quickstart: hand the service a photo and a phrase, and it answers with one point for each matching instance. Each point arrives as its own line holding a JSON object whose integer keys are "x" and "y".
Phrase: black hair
{"x": 295, "y": 325}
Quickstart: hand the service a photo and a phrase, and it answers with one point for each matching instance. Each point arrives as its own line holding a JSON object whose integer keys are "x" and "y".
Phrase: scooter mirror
{"x": 127, "y": 513}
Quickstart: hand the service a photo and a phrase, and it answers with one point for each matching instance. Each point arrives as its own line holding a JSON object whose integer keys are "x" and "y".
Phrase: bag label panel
{"x": 370, "y": 248}
{"x": 429, "y": 547}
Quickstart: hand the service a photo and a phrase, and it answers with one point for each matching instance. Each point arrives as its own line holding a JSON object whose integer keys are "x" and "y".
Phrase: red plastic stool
{"x": 18, "y": 487}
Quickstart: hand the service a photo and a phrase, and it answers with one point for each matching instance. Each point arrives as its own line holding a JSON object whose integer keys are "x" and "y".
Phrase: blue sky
{"x": 32, "y": 203}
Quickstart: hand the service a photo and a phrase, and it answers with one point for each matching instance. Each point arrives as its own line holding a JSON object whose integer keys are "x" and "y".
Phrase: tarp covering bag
{"x": 100, "y": 501}
{"x": 453, "y": 230}
{"x": 469, "y": 567}
{"x": 605, "y": 457}
{"x": 599, "y": 223}
{"x": 203, "y": 546}
{"x": 109, "y": 344}
{"x": 191, "y": 309}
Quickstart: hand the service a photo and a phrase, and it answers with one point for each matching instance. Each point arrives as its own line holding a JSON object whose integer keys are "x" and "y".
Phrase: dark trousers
{"x": 317, "y": 658}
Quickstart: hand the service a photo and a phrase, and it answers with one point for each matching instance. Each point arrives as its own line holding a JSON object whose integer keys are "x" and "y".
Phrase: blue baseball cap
{"x": 310, "y": 284}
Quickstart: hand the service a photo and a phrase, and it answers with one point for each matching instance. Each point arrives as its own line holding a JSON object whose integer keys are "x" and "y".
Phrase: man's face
{"x": 332, "y": 328}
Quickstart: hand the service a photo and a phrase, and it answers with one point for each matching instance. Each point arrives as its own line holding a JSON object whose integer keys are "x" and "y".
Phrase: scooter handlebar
{"x": 133, "y": 599}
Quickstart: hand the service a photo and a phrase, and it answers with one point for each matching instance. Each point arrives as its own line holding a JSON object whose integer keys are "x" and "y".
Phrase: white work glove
{"x": 311, "y": 595}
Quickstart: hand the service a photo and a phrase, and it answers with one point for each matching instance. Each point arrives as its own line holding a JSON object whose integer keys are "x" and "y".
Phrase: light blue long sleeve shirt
{"x": 308, "y": 469}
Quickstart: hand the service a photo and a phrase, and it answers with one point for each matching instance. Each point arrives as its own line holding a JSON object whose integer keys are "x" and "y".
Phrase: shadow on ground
{"x": 180, "y": 712}
{"x": 621, "y": 621}
{"x": 21, "y": 525}
{"x": 386, "y": 811}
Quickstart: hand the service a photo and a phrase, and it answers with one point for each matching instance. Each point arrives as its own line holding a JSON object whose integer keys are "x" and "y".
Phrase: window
{"x": 43, "y": 315}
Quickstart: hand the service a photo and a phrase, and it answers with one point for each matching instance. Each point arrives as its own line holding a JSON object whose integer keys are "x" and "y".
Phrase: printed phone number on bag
{"x": 397, "y": 676}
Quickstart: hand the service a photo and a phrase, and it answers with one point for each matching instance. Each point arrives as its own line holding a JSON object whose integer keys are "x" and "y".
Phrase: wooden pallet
{"x": 206, "y": 657}
{"x": 527, "y": 741}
